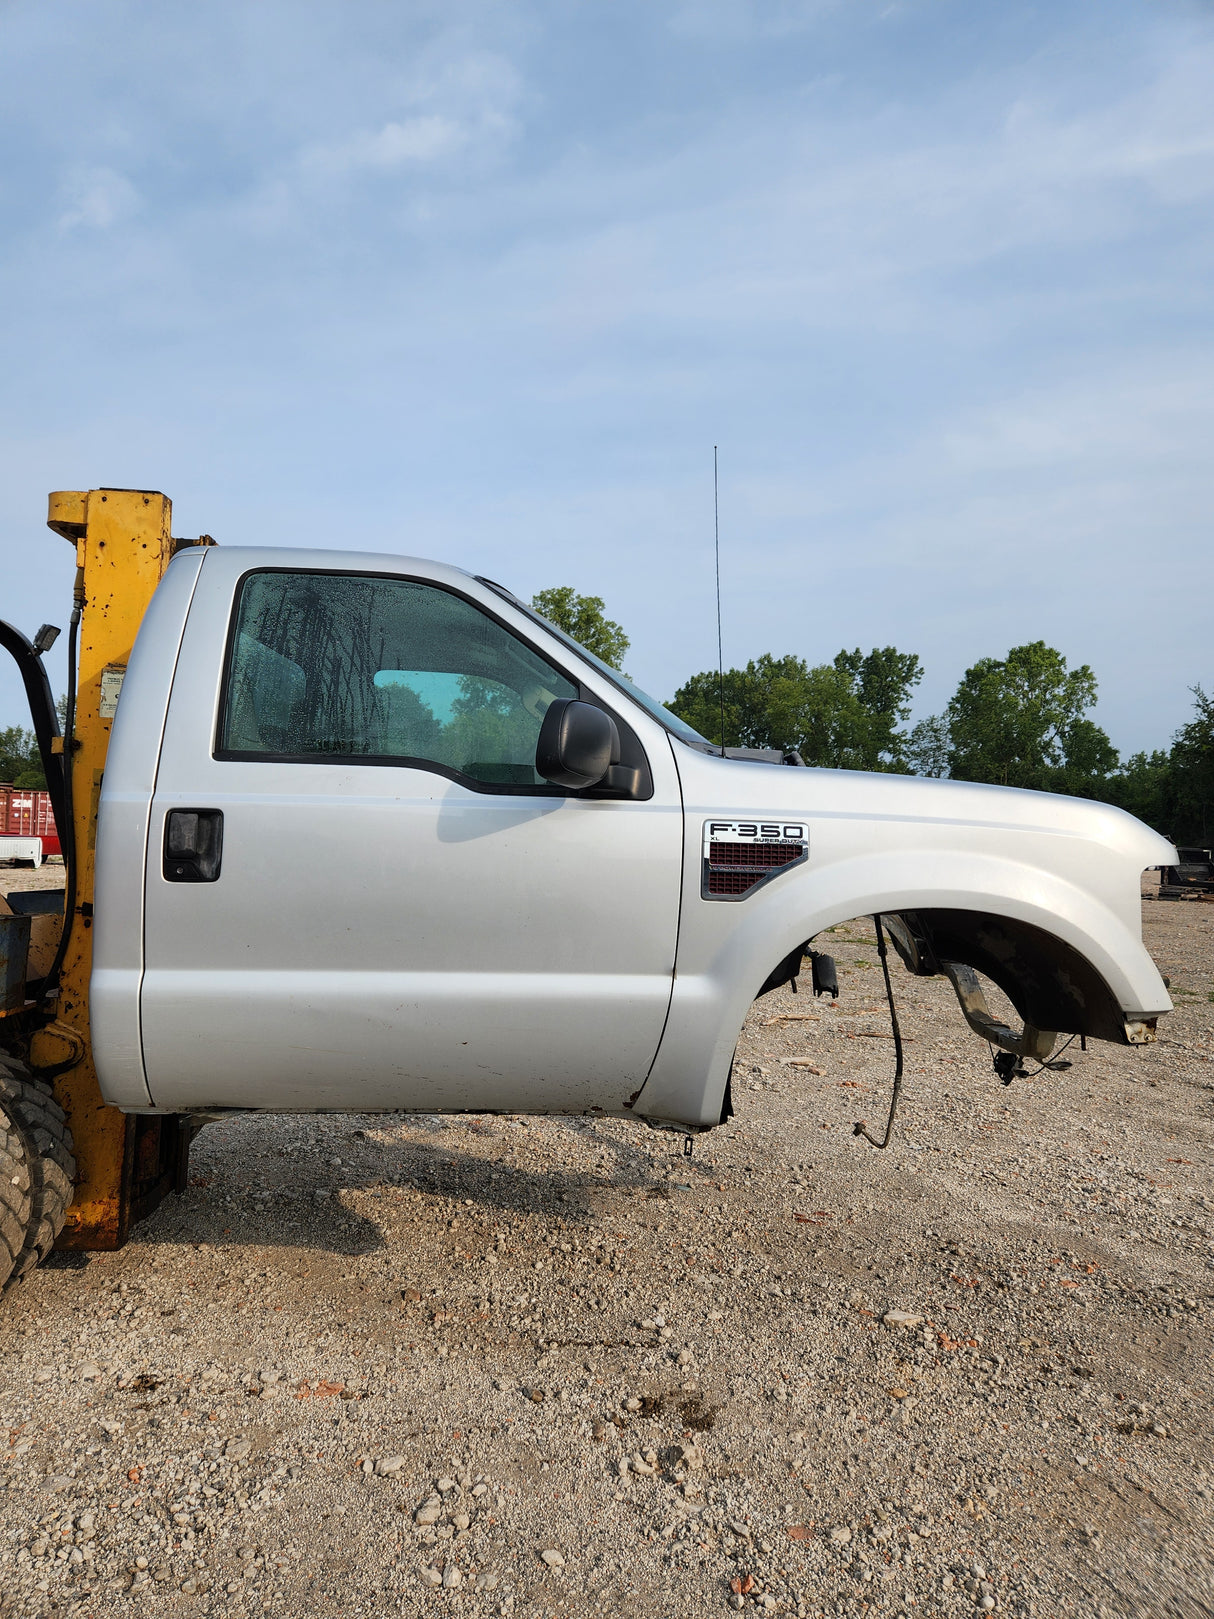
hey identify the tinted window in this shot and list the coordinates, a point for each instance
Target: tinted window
(353, 666)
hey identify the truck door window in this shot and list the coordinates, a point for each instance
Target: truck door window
(363, 668)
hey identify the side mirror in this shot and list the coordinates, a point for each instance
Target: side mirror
(578, 744)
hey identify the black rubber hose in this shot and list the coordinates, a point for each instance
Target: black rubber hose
(67, 830)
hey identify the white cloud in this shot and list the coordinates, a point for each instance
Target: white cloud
(453, 106)
(825, 223)
(414, 141)
(98, 198)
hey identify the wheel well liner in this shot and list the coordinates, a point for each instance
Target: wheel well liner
(1049, 983)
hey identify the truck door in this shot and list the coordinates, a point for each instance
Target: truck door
(359, 894)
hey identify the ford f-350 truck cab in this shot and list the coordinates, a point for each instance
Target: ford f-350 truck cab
(373, 835)
(362, 832)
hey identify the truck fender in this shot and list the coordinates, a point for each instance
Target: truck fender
(714, 986)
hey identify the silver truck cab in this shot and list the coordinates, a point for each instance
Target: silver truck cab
(331, 876)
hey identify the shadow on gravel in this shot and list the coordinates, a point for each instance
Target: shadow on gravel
(72, 1261)
(295, 1200)
(548, 1189)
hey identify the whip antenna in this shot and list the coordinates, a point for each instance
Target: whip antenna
(716, 531)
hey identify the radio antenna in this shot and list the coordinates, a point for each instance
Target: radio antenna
(716, 532)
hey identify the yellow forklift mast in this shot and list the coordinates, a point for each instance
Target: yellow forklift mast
(124, 1163)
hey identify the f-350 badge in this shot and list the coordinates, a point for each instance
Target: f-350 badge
(739, 856)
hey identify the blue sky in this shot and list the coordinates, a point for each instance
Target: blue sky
(487, 282)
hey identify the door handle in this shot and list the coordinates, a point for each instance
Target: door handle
(193, 845)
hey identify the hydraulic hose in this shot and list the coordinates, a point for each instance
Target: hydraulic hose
(67, 832)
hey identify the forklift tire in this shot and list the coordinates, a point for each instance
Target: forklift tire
(14, 1196)
(33, 1115)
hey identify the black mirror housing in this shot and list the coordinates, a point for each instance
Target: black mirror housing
(578, 744)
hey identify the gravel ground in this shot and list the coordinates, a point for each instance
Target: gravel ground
(515, 1366)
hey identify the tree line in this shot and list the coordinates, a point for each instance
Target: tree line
(1018, 721)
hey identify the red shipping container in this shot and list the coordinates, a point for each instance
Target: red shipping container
(25, 813)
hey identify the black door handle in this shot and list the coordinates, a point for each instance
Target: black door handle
(193, 845)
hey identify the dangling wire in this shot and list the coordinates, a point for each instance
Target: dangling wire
(860, 1128)
(1008, 1066)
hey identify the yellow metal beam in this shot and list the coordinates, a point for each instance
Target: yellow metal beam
(123, 546)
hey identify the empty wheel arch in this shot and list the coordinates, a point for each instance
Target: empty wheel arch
(1051, 985)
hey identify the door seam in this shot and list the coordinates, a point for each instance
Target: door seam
(147, 832)
(678, 924)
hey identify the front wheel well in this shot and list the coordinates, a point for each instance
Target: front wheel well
(1051, 985)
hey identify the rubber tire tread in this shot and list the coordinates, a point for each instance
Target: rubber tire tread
(52, 1164)
(15, 1202)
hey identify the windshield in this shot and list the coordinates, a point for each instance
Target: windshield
(659, 711)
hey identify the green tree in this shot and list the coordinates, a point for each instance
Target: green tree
(489, 729)
(1193, 774)
(1174, 791)
(583, 618)
(1145, 785)
(1021, 721)
(763, 703)
(20, 761)
(410, 728)
(843, 714)
(929, 746)
(882, 681)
